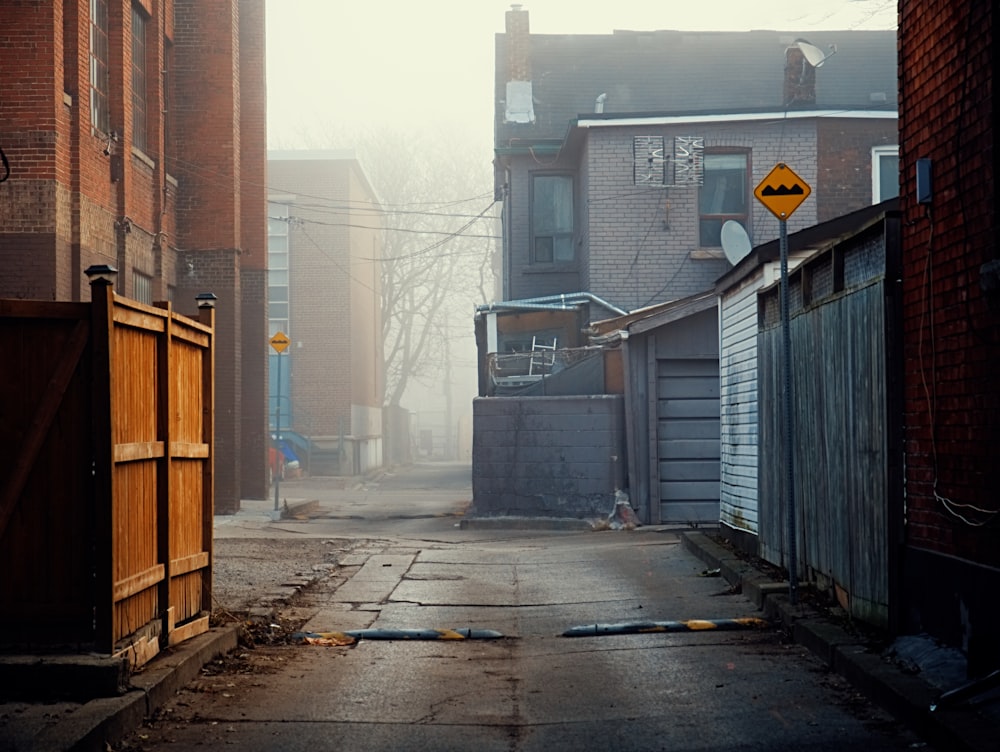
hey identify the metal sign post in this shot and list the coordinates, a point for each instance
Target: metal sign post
(280, 343)
(782, 191)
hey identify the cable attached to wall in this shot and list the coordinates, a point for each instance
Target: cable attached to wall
(954, 508)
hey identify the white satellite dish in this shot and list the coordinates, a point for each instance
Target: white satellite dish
(735, 241)
(813, 54)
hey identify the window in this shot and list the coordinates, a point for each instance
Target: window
(724, 196)
(139, 79)
(277, 268)
(552, 219)
(885, 173)
(142, 288)
(100, 119)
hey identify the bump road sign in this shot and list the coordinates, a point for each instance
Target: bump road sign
(782, 191)
(280, 342)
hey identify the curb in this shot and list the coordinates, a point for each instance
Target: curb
(105, 721)
(525, 523)
(907, 696)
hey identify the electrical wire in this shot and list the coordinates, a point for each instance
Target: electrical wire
(930, 392)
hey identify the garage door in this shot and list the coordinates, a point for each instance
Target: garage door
(687, 440)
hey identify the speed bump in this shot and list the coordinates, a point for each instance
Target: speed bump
(351, 636)
(649, 627)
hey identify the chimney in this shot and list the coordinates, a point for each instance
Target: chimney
(518, 45)
(520, 102)
(800, 79)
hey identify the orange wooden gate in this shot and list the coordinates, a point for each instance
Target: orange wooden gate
(106, 519)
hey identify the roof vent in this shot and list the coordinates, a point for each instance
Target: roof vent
(878, 97)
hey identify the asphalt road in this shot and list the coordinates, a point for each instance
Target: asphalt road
(393, 557)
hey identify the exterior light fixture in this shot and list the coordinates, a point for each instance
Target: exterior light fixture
(206, 299)
(104, 273)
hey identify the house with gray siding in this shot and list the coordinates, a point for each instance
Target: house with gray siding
(619, 157)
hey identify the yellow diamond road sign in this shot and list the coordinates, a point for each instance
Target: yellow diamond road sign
(280, 342)
(782, 191)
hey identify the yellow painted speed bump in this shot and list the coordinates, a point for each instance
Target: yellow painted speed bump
(648, 627)
(353, 635)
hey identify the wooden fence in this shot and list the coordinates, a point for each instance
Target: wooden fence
(846, 442)
(106, 423)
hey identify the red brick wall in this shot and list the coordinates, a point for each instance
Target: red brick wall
(206, 108)
(841, 146)
(64, 205)
(952, 338)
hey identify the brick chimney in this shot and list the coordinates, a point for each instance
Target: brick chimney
(800, 79)
(520, 104)
(518, 45)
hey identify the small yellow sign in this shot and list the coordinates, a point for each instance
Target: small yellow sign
(782, 191)
(280, 342)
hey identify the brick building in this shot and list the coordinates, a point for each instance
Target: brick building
(619, 157)
(132, 142)
(951, 326)
(325, 249)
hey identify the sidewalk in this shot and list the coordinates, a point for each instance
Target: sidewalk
(908, 696)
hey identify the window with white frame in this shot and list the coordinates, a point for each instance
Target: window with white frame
(552, 219)
(277, 268)
(885, 173)
(724, 195)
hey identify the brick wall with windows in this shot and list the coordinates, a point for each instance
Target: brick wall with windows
(81, 174)
(951, 326)
(845, 164)
(334, 288)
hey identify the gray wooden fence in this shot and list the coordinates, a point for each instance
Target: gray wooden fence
(846, 442)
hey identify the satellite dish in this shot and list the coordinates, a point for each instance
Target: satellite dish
(813, 54)
(735, 241)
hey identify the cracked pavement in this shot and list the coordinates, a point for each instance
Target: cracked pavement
(398, 560)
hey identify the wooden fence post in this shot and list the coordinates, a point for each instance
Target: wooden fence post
(102, 320)
(206, 315)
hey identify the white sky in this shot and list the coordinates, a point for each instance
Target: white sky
(349, 65)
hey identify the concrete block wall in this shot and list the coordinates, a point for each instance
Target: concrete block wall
(547, 456)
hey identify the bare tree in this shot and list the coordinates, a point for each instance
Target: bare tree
(440, 241)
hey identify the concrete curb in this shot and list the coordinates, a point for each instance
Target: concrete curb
(906, 696)
(525, 523)
(105, 721)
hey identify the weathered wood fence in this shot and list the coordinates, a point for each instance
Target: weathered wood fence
(844, 306)
(106, 499)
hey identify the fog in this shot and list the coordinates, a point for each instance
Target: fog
(339, 74)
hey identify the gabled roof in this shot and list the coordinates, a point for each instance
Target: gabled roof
(678, 71)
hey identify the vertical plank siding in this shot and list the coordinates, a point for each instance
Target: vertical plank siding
(87, 553)
(738, 408)
(839, 385)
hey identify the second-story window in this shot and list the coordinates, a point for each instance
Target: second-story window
(139, 78)
(100, 118)
(724, 196)
(552, 219)
(885, 173)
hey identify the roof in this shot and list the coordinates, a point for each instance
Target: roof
(691, 72)
(812, 238)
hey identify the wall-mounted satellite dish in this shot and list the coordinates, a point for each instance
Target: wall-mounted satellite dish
(735, 241)
(813, 54)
